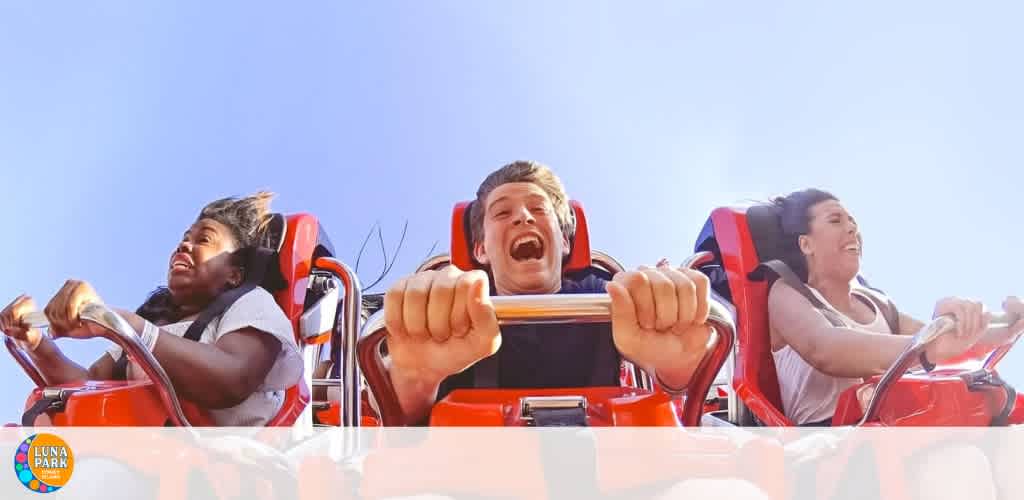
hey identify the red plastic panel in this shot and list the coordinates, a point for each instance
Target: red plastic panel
(461, 252)
(295, 400)
(936, 399)
(296, 262)
(606, 406)
(114, 403)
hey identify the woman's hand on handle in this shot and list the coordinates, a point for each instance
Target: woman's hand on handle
(51, 363)
(1015, 306)
(972, 323)
(971, 319)
(64, 309)
(12, 323)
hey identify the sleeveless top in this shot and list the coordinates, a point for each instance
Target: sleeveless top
(808, 395)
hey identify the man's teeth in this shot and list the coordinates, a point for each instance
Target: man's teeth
(527, 239)
(527, 247)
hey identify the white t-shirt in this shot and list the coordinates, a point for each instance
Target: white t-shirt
(809, 395)
(256, 309)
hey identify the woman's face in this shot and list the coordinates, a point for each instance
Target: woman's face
(833, 244)
(200, 267)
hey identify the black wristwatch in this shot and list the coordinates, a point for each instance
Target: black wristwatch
(927, 365)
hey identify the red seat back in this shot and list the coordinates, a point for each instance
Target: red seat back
(754, 379)
(298, 248)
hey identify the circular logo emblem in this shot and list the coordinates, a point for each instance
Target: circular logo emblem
(43, 463)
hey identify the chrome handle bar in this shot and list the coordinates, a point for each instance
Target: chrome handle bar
(943, 325)
(118, 331)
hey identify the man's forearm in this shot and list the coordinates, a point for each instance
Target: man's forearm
(676, 375)
(416, 394)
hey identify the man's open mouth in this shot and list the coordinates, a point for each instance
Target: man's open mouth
(527, 247)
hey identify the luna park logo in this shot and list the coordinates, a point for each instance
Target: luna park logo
(44, 463)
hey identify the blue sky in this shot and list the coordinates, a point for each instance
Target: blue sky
(119, 120)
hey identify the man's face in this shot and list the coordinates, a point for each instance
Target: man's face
(522, 242)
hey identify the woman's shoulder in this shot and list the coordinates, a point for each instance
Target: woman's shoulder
(257, 297)
(259, 304)
(788, 305)
(779, 290)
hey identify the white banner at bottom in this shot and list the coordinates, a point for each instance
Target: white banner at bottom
(532, 463)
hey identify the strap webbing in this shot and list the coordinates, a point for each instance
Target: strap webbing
(28, 419)
(257, 263)
(882, 303)
(981, 378)
(786, 274)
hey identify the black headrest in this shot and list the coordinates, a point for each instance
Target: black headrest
(765, 225)
(262, 267)
(262, 262)
(771, 243)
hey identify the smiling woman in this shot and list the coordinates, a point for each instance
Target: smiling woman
(828, 332)
(237, 365)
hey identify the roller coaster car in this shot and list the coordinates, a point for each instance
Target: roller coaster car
(636, 402)
(309, 298)
(967, 392)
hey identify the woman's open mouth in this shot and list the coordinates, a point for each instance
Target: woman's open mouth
(181, 262)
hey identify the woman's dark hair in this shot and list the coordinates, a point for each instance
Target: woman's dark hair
(246, 217)
(794, 220)
(159, 308)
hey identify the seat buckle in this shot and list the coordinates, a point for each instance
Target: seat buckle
(533, 406)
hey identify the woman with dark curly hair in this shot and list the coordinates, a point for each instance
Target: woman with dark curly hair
(241, 362)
